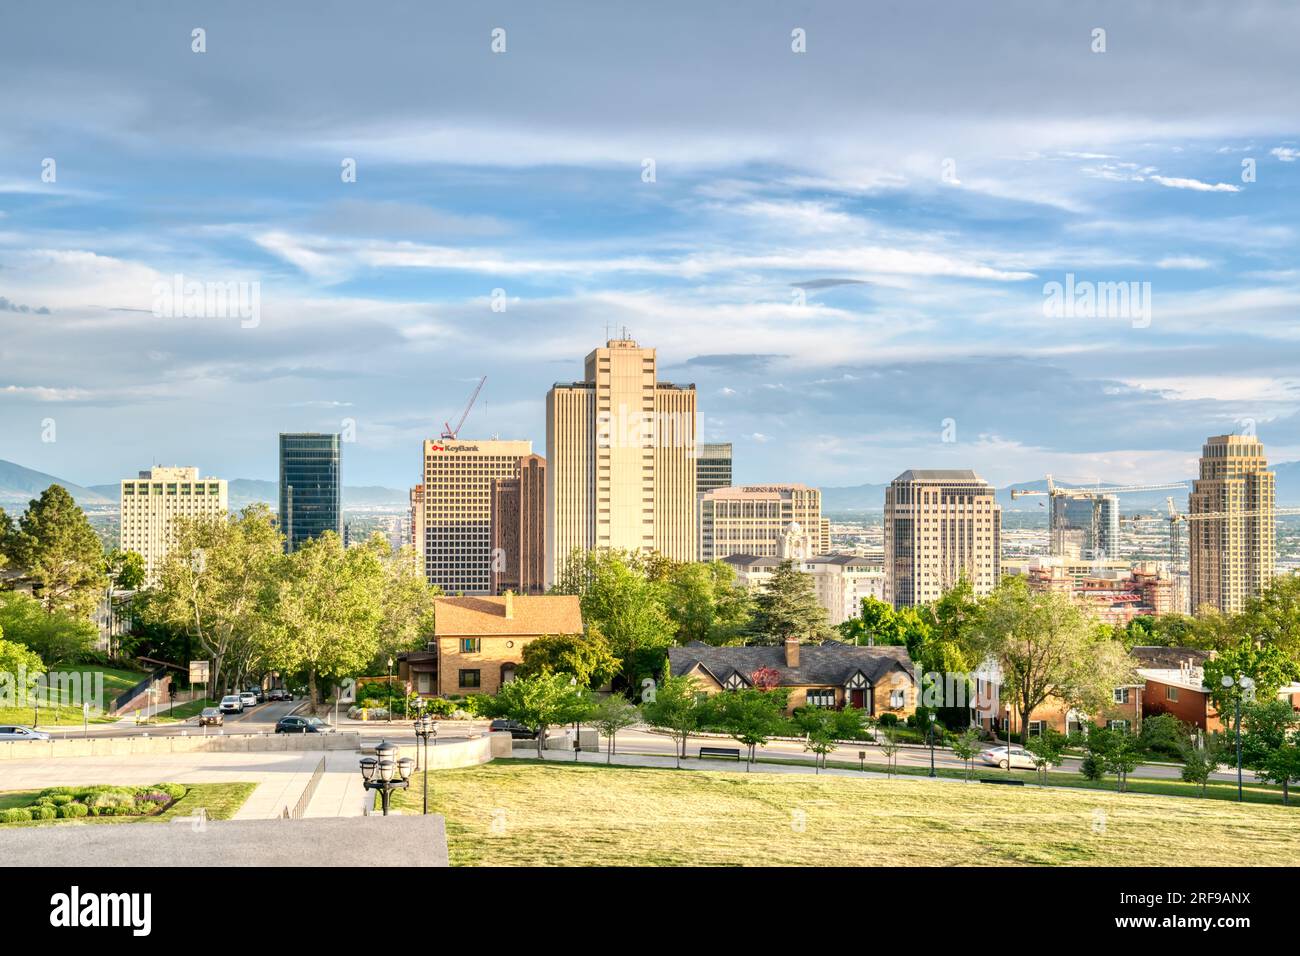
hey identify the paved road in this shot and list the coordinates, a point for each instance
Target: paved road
(253, 720)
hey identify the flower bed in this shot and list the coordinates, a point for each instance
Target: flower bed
(70, 803)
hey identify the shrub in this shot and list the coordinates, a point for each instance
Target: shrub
(439, 707)
(888, 720)
(58, 791)
(72, 810)
(1164, 734)
(61, 799)
(44, 813)
(173, 790)
(16, 815)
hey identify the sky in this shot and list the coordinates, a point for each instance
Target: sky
(858, 253)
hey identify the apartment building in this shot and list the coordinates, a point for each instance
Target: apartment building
(151, 503)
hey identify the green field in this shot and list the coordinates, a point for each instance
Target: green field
(221, 801)
(116, 680)
(525, 813)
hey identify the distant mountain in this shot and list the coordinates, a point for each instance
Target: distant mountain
(19, 485)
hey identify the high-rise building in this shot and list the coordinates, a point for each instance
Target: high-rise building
(311, 487)
(417, 521)
(519, 529)
(1085, 526)
(713, 466)
(151, 503)
(940, 525)
(750, 519)
(620, 459)
(1232, 557)
(457, 509)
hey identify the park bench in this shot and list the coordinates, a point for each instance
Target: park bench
(1007, 783)
(719, 752)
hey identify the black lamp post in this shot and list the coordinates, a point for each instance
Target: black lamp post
(385, 773)
(1008, 737)
(932, 773)
(424, 729)
(390, 690)
(1240, 686)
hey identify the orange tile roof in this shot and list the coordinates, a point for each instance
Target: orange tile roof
(485, 616)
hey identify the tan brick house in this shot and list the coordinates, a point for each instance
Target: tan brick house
(479, 641)
(879, 680)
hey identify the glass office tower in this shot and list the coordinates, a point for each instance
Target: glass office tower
(311, 491)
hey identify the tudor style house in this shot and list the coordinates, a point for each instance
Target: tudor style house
(479, 641)
(879, 680)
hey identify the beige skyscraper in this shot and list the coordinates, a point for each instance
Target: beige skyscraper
(750, 519)
(940, 525)
(151, 504)
(1232, 558)
(455, 509)
(621, 465)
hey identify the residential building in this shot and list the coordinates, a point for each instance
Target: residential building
(940, 525)
(750, 519)
(479, 641)
(1111, 595)
(621, 459)
(311, 486)
(1233, 557)
(713, 466)
(151, 503)
(456, 509)
(1085, 526)
(842, 581)
(879, 680)
(519, 529)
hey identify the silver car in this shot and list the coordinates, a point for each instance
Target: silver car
(1019, 758)
(10, 732)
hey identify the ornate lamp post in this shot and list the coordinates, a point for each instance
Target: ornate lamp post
(932, 773)
(385, 773)
(1241, 686)
(424, 729)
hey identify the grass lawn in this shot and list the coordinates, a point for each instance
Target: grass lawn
(116, 681)
(221, 800)
(526, 813)
(182, 711)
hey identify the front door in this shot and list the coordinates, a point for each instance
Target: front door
(858, 698)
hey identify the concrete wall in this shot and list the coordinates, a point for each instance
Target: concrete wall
(212, 743)
(462, 753)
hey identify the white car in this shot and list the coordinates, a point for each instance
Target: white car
(1020, 758)
(232, 704)
(22, 733)
(248, 698)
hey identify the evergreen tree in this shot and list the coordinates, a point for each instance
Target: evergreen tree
(56, 548)
(788, 607)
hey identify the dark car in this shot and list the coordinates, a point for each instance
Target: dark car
(302, 725)
(279, 693)
(517, 730)
(211, 716)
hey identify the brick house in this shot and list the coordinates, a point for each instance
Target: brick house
(479, 641)
(879, 680)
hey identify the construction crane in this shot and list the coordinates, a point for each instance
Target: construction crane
(449, 433)
(1176, 519)
(1056, 523)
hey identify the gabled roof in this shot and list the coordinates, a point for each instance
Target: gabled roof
(532, 614)
(828, 664)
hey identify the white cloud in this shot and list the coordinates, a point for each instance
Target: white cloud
(1175, 182)
(1183, 262)
(1285, 153)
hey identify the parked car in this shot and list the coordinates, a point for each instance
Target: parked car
(1020, 758)
(517, 730)
(249, 698)
(211, 717)
(302, 725)
(10, 732)
(279, 693)
(232, 704)
(258, 694)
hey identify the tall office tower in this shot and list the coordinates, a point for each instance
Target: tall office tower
(713, 467)
(151, 504)
(311, 488)
(1232, 557)
(416, 539)
(940, 525)
(457, 508)
(1085, 526)
(621, 462)
(519, 529)
(750, 520)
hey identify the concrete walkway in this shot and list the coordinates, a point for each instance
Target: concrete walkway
(340, 792)
(694, 763)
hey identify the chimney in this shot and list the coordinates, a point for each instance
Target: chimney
(510, 605)
(791, 652)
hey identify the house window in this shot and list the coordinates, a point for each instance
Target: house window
(1120, 725)
(471, 645)
(1121, 695)
(423, 682)
(1171, 693)
(470, 679)
(821, 697)
(897, 699)
(1035, 728)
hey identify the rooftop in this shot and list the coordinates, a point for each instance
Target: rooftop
(486, 616)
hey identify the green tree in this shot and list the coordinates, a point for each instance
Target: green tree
(942, 638)
(1266, 725)
(57, 637)
(750, 716)
(673, 707)
(819, 734)
(1272, 617)
(17, 659)
(1165, 735)
(966, 748)
(705, 603)
(1200, 762)
(787, 607)
(1282, 767)
(408, 601)
(876, 623)
(1046, 749)
(585, 656)
(57, 549)
(1111, 751)
(1266, 664)
(541, 702)
(218, 583)
(126, 569)
(889, 746)
(611, 714)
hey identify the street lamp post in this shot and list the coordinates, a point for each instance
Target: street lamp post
(932, 773)
(424, 729)
(390, 690)
(385, 772)
(1240, 686)
(1008, 728)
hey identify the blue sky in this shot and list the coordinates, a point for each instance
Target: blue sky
(921, 172)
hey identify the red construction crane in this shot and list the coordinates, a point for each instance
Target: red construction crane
(449, 433)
